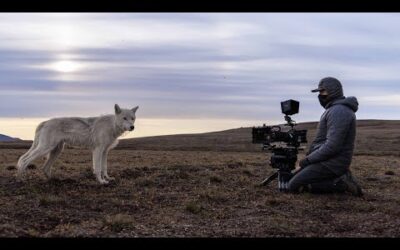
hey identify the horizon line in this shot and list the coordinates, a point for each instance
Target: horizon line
(216, 131)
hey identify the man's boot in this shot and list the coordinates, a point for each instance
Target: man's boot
(351, 185)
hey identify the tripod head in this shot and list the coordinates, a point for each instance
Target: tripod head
(289, 121)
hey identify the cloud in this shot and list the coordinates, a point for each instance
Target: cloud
(392, 100)
(72, 31)
(236, 66)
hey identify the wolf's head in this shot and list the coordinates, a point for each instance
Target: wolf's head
(125, 118)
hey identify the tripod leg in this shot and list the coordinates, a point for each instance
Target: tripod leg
(269, 179)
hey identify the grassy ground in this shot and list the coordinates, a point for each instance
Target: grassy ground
(190, 193)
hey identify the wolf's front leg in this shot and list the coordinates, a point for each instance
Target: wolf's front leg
(97, 165)
(104, 167)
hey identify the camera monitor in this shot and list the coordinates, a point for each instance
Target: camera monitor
(290, 107)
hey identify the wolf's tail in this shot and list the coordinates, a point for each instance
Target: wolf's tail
(33, 146)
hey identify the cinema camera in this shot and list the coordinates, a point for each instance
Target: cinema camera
(283, 145)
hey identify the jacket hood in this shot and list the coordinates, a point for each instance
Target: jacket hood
(350, 102)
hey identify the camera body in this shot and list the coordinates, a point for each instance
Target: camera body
(284, 157)
(270, 134)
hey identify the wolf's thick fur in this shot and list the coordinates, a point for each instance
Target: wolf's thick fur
(96, 133)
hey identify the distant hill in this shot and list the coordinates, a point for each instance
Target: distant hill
(374, 137)
(5, 138)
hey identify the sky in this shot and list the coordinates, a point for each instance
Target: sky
(192, 72)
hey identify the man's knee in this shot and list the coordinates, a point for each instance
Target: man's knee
(294, 186)
(300, 182)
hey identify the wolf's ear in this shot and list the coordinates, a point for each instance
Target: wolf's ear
(117, 109)
(134, 109)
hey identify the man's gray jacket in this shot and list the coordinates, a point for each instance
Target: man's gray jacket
(334, 143)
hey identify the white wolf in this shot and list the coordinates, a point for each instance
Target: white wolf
(96, 133)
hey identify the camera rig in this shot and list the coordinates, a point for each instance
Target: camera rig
(284, 156)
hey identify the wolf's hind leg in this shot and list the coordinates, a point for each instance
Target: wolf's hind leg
(51, 158)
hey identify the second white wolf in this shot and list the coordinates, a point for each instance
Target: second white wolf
(96, 133)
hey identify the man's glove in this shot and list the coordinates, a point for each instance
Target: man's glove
(304, 162)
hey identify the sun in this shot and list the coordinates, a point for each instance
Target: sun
(66, 66)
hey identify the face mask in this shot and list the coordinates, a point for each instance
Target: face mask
(323, 100)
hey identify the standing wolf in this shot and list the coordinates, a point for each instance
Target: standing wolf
(96, 133)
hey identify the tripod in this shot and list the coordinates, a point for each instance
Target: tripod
(267, 180)
(284, 158)
(284, 173)
(283, 179)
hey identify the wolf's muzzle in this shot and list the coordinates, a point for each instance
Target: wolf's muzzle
(131, 128)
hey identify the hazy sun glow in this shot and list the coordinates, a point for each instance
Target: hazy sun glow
(66, 66)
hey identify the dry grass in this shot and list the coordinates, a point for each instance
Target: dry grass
(118, 222)
(192, 193)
